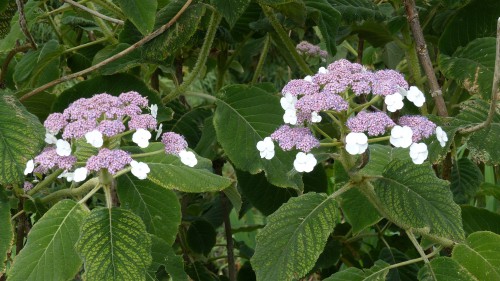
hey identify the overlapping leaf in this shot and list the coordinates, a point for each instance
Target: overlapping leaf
(21, 138)
(328, 20)
(7, 234)
(294, 237)
(414, 198)
(466, 177)
(477, 219)
(141, 13)
(357, 10)
(377, 272)
(231, 9)
(164, 255)
(51, 244)
(114, 245)
(244, 116)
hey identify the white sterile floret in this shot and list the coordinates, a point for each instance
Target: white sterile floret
(315, 117)
(68, 175)
(159, 130)
(80, 174)
(94, 138)
(288, 101)
(139, 169)
(188, 158)
(418, 153)
(394, 102)
(322, 70)
(30, 165)
(63, 148)
(141, 138)
(356, 143)
(308, 78)
(290, 116)
(50, 138)
(401, 136)
(154, 110)
(266, 148)
(441, 136)
(304, 162)
(415, 96)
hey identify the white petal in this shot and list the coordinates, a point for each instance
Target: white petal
(80, 174)
(290, 116)
(63, 148)
(141, 138)
(159, 131)
(315, 117)
(94, 138)
(30, 165)
(154, 110)
(188, 158)
(308, 78)
(140, 169)
(50, 138)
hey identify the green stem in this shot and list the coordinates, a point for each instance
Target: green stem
(316, 128)
(365, 105)
(341, 190)
(262, 58)
(92, 192)
(331, 144)
(202, 58)
(110, 7)
(104, 27)
(286, 40)
(420, 251)
(349, 48)
(146, 154)
(48, 180)
(100, 40)
(79, 191)
(384, 138)
(107, 194)
(200, 95)
(122, 172)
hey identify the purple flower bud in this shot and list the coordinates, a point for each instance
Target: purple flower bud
(55, 122)
(134, 98)
(387, 82)
(49, 159)
(111, 127)
(375, 123)
(299, 137)
(113, 160)
(174, 143)
(300, 87)
(79, 128)
(320, 102)
(421, 126)
(27, 186)
(143, 121)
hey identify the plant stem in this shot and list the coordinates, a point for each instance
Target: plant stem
(121, 54)
(146, 154)
(366, 105)
(110, 6)
(229, 237)
(82, 46)
(24, 24)
(8, 59)
(202, 58)
(94, 12)
(79, 191)
(420, 251)
(262, 58)
(331, 144)
(200, 95)
(341, 190)
(286, 40)
(494, 91)
(46, 181)
(107, 194)
(92, 192)
(384, 138)
(423, 55)
(104, 27)
(316, 128)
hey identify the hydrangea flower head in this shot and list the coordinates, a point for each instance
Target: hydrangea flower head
(299, 137)
(112, 160)
(174, 143)
(49, 159)
(375, 123)
(387, 82)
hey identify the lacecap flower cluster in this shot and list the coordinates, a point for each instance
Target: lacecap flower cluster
(304, 99)
(98, 120)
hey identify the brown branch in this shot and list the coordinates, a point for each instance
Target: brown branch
(23, 24)
(95, 13)
(494, 91)
(423, 55)
(121, 54)
(8, 59)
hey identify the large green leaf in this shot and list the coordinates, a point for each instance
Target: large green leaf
(294, 237)
(21, 138)
(141, 13)
(466, 177)
(444, 269)
(9, 41)
(477, 219)
(50, 253)
(201, 236)
(164, 255)
(472, 66)
(328, 20)
(7, 234)
(120, 65)
(158, 207)
(381, 156)
(178, 34)
(231, 9)
(377, 272)
(476, 20)
(358, 210)
(357, 10)
(114, 245)
(414, 198)
(244, 116)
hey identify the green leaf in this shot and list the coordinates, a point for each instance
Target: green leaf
(189, 124)
(444, 269)
(487, 188)
(114, 245)
(148, 200)
(294, 237)
(7, 233)
(414, 198)
(476, 20)
(480, 255)
(381, 156)
(328, 20)
(21, 138)
(141, 13)
(244, 116)
(39, 104)
(163, 255)
(201, 237)
(293, 9)
(375, 273)
(234, 197)
(178, 34)
(231, 9)
(357, 10)
(466, 177)
(477, 219)
(9, 41)
(358, 210)
(264, 196)
(207, 144)
(472, 66)
(376, 33)
(120, 65)
(50, 245)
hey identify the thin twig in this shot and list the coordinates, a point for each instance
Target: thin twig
(423, 55)
(494, 91)
(420, 251)
(23, 24)
(94, 13)
(110, 59)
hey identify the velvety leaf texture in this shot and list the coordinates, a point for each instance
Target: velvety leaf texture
(246, 115)
(377, 272)
(21, 138)
(294, 237)
(466, 177)
(49, 253)
(114, 245)
(7, 234)
(444, 269)
(158, 207)
(231, 9)
(415, 198)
